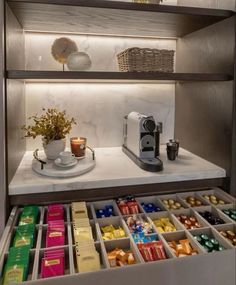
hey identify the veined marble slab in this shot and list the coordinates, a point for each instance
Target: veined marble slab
(114, 168)
(99, 108)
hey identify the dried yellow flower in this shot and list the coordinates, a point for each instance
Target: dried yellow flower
(52, 125)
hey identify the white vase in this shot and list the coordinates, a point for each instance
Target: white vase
(78, 61)
(53, 149)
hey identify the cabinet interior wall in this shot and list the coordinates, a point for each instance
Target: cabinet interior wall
(205, 111)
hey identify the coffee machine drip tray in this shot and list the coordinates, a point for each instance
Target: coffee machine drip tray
(148, 164)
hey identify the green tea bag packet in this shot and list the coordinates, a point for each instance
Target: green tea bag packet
(31, 208)
(21, 240)
(26, 228)
(24, 264)
(24, 250)
(29, 215)
(19, 261)
(24, 235)
(18, 253)
(14, 274)
(16, 268)
(27, 219)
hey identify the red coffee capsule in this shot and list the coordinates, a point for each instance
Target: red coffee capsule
(124, 209)
(161, 250)
(133, 207)
(197, 225)
(183, 218)
(188, 223)
(193, 220)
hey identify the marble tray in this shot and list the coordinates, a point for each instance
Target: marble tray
(52, 170)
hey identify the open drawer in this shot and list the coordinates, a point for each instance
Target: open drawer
(204, 268)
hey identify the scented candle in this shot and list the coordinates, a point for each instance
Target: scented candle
(78, 146)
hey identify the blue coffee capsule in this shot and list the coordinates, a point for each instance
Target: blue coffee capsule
(147, 210)
(100, 213)
(109, 209)
(139, 229)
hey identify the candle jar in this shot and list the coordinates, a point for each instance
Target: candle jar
(78, 146)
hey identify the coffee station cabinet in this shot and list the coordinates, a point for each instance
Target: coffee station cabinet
(204, 124)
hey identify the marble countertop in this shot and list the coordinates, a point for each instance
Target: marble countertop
(113, 168)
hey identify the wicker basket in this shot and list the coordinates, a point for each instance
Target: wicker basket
(146, 59)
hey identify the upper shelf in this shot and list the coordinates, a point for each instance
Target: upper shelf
(100, 76)
(113, 17)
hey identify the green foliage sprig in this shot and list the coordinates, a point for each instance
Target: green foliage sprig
(52, 125)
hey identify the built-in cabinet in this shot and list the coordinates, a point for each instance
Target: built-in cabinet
(203, 77)
(203, 87)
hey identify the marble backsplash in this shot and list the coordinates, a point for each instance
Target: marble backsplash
(100, 108)
(101, 49)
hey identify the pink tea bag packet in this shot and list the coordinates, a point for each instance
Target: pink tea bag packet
(55, 235)
(55, 238)
(52, 266)
(55, 212)
(54, 253)
(56, 226)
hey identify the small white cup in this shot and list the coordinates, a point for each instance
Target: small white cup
(66, 157)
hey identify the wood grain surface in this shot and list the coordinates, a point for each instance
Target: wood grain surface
(112, 17)
(15, 99)
(3, 188)
(204, 111)
(121, 76)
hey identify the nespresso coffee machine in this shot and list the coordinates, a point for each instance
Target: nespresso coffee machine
(142, 141)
